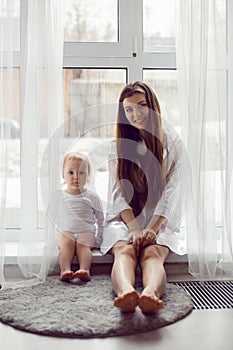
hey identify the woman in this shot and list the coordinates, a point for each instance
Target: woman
(146, 193)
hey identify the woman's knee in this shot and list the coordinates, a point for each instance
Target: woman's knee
(154, 251)
(126, 250)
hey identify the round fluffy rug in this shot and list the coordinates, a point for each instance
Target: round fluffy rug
(84, 310)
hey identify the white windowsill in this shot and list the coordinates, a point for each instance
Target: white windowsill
(11, 254)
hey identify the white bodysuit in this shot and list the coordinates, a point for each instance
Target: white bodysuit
(80, 213)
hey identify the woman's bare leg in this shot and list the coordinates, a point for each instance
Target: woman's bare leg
(154, 277)
(67, 250)
(123, 277)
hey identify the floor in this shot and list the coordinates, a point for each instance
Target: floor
(201, 329)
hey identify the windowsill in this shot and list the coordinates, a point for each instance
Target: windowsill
(11, 254)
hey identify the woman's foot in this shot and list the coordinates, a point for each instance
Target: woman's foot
(150, 303)
(127, 302)
(66, 276)
(84, 275)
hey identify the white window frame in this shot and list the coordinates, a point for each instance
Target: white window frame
(127, 54)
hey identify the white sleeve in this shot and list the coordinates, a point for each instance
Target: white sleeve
(176, 195)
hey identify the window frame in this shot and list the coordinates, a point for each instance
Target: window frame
(127, 54)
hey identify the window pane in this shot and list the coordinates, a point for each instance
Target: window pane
(91, 21)
(10, 18)
(84, 88)
(10, 143)
(217, 30)
(159, 25)
(90, 100)
(164, 83)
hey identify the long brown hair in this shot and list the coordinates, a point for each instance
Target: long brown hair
(142, 169)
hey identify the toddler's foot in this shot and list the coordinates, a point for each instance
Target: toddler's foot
(84, 275)
(127, 302)
(66, 276)
(150, 304)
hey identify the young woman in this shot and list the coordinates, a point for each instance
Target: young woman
(146, 194)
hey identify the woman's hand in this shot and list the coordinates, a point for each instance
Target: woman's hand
(135, 239)
(141, 239)
(133, 236)
(148, 237)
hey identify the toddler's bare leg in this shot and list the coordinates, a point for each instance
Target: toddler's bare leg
(83, 250)
(67, 250)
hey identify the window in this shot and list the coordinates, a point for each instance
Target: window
(15, 17)
(101, 54)
(84, 88)
(159, 23)
(107, 43)
(10, 114)
(91, 22)
(164, 82)
(10, 129)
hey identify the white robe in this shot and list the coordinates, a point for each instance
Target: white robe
(172, 204)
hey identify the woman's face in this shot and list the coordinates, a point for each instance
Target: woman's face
(136, 110)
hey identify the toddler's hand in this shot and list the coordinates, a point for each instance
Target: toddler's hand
(96, 246)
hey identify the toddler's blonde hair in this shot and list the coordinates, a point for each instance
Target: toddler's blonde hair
(74, 155)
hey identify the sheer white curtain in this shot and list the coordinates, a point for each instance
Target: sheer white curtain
(41, 96)
(204, 74)
(6, 103)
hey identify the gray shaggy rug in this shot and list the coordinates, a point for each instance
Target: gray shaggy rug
(84, 310)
